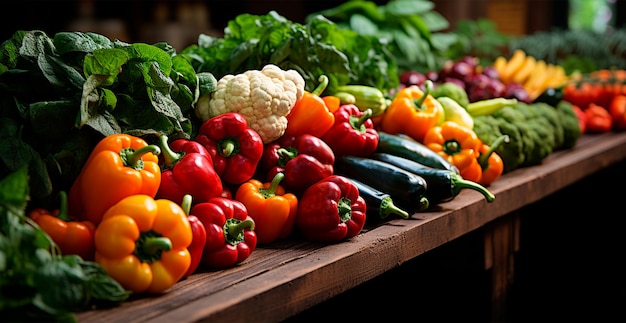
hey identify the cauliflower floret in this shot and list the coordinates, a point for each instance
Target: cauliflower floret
(263, 97)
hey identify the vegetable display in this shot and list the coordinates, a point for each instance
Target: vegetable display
(179, 162)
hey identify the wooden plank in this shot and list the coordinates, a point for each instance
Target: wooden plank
(283, 279)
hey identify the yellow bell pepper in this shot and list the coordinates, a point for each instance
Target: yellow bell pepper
(142, 243)
(412, 112)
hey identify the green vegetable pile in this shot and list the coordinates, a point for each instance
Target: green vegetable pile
(60, 95)
(318, 48)
(535, 131)
(37, 283)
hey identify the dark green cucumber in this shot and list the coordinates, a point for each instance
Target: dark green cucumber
(405, 188)
(380, 205)
(407, 147)
(443, 185)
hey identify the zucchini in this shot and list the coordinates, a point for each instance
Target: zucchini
(406, 189)
(442, 184)
(407, 147)
(379, 204)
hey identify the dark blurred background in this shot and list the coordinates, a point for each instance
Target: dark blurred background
(179, 22)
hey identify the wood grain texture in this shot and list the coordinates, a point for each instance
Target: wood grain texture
(285, 278)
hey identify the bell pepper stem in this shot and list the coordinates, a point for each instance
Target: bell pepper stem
(428, 86)
(323, 79)
(483, 160)
(271, 190)
(149, 247)
(132, 158)
(63, 207)
(357, 122)
(387, 207)
(459, 183)
(227, 147)
(169, 156)
(345, 210)
(186, 204)
(233, 229)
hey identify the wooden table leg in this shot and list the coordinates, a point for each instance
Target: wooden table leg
(501, 242)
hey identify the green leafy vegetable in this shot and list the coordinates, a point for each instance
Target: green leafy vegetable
(37, 283)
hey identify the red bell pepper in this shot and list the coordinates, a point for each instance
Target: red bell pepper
(230, 232)
(617, 109)
(352, 133)
(188, 169)
(198, 240)
(582, 118)
(598, 119)
(331, 210)
(304, 160)
(235, 148)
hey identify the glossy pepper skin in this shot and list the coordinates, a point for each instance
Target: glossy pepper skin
(72, 237)
(617, 110)
(273, 210)
(142, 243)
(352, 133)
(235, 148)
(491, 164)
(188, 169)
(331, 210)
(198, 239)
(412, 112)
(120, 165)
(304, 160)
(310, 114)
(230, 232)
(598, 119)
(459, 145)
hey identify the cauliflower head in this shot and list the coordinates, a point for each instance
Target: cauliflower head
(264, 97)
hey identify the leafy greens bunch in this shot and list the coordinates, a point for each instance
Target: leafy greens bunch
(61, 95)
(411, 29)
(317, 48)
(37, 283)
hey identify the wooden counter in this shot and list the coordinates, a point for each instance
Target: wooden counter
(283, 279)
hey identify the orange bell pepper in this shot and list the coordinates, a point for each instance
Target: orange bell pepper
(72, 237)
(617, 110)
(459, 145)
(272, 209)
(332, 102)
(310, 114)
(412, 112)
(491, 163)
(142, 243)
(119, 166)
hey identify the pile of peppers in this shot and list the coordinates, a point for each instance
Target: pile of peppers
(163, 211)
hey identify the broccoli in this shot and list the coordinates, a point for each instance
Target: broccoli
(548, 112)
(569, 121)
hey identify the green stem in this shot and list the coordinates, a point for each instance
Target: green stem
(357, 121)
(227, 147)
(387, 207)
(151, 245)
(459, 183)
(132, 158)
(345, 209)
(424, 204)
(483, 160)
(323, 79)
(186, 204)
(169, 156)
(233, 229)
(271, 191)
(428, 86)
(63, 207)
